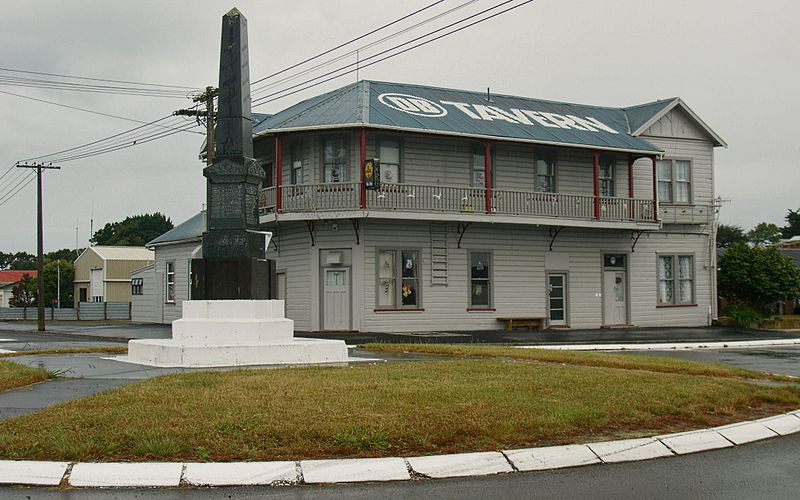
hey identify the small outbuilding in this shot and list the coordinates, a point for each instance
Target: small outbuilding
(7, 281)
(103, 273)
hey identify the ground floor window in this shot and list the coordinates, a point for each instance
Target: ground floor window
(136, 286)
(170, 282)
(480, 279)
(675, 279)
(398, 279)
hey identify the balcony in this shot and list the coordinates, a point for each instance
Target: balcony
(463, 203)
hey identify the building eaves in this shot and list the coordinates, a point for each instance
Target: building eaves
(661, 108)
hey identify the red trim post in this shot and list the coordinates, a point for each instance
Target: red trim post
(363, 190)
(597, 185)
(631, 161)
(278, 173)
(487, 175)
(655, 189)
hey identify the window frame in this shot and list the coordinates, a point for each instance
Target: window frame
(398, 279)
(610, 181)
(479, 149)
(676, 279)
(268, 167)
(381, 140)
(296, 171)
(345, 176)
(537, 155)
(489, 281)
(673, 181)
(167, 274)
(137, 286)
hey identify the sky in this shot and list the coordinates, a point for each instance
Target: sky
(735, 63)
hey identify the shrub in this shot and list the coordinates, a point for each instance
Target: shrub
(743, 315)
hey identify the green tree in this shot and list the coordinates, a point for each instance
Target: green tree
(133, 231)
(757, 276)
(792, 227)
(729, 234)
(22, 294)
(19, 261)
(68, 254)
(51, 282)
(764, 234)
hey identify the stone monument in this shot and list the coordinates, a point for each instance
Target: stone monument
(231, 324)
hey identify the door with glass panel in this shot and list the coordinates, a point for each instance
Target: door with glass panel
(615, 289)
(336, 293)
(557, 298)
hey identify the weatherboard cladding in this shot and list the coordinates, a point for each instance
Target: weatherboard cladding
(458, 112)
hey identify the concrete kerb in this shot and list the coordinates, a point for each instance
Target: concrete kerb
(665, 346)
(174, 474)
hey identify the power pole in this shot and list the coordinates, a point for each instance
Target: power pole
(39, 238)
(208, 97)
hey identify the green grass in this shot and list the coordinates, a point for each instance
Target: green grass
(68, 350)
(453, 405)
(600, 359)
(13, 375)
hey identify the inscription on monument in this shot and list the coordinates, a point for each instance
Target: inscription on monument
(227, 200)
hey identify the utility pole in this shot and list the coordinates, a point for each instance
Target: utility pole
(39, 237)
(208, 97)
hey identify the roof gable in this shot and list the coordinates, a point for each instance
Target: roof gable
(119, 253)
(645, 116)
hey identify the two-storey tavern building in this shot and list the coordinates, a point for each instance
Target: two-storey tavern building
(488, 206)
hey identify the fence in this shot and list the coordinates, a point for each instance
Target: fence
(86, 311)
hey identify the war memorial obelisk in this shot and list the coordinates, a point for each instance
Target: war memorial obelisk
(233, 264)
(228, 322)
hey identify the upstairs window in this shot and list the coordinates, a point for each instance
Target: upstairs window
(334, 159)
(269, 179)
(674, 181)
(389, 154)
(296, 175)
(606, 175)
(478, 166)
(545, 166)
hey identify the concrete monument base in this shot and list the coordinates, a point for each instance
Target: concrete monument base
(216, 333)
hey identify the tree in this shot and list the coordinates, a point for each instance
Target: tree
(19, 261)
(51, 282)
(729, 234)
(792, 228)
(22, 294)
(68, 254)
(133, 231)
(757, 276)
(764, 234)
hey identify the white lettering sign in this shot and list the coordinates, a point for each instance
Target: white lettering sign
(419, 106)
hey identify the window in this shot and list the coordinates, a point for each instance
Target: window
(398, 279)
(389, 153)
(170, 291)
(137, 284)
(606, 176)
(674, 181)
(479, 166)
(334, 159)
(269, 179)
(296, 176)
(480, 280)
(675, 286)
(545, 166)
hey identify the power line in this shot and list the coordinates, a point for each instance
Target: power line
(359, 49)
(100, 113)
(348, 42)
(98, 79)
(81, 87)
(266, 99)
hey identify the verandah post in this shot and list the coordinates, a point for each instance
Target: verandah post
(278, 173)
(597, 185)
(655, 189)
(363, 186)
(487, 175)
(631, 160)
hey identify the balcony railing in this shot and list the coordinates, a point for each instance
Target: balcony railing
(686, 214)
(452, 200)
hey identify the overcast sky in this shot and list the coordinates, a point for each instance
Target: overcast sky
(735, 63)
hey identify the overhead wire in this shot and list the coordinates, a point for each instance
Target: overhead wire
(98, 79)
(265, 99)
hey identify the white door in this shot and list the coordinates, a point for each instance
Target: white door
(96, 285)
(615, 299)
(557, 299)
(336, 293)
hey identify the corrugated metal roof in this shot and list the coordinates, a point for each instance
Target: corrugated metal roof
(123, 253)
(794, 253)
(458, 112)
(7, 277)
(186, 231)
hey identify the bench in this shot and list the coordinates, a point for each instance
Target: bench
(529, 322)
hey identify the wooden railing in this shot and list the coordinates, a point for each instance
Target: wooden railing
(686, 214)
(452, 199)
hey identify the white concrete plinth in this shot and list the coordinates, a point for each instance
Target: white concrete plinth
(233, 333)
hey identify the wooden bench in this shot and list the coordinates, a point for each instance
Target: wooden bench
(528, 321)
